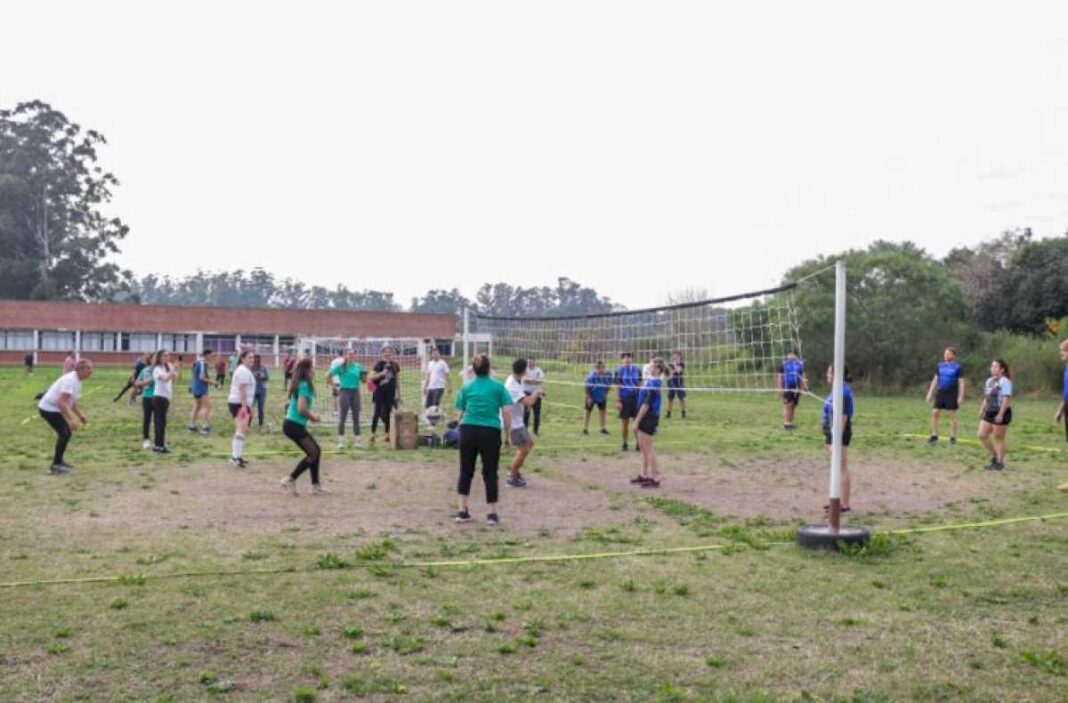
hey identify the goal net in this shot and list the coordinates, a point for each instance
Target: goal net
(730, 344)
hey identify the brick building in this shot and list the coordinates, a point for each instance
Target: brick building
(111, 334)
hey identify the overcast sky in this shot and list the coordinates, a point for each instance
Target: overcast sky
(639, 148)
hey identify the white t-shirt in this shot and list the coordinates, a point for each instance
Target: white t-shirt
(437, 374)
(242, 377)
(533, 378)
(996, 390)
(162, 389)
(67, 383)
(330, 373)
(515, 388)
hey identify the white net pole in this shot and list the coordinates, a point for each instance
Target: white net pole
(837, 393)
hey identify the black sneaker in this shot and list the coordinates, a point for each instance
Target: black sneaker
(625, 448)
(515, 482)
(667, 414)
(992, 466)
(59, 470)
(605, 432)
(953, 441)
(237, 463)
(683, 414)
(162, 450)
(492, 520)
(191, 428)
(933, 439)
(463, 516)
(998, 466)
(585, 431)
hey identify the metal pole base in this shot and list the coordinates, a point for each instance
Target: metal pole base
(826, 537)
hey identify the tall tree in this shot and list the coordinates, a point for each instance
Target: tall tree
(54, 238)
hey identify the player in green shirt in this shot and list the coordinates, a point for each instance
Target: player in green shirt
(346, 378)
(481, 403)
(298, 413)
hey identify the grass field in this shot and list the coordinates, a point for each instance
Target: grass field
(223, 588)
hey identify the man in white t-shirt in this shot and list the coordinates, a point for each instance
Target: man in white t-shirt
(435, 380)
(533, 384)
(59, 408)
(242, 393)
(518, 436)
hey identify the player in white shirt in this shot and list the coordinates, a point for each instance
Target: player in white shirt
(518, 436)
(164, 371)
(59, 408)
(435, 380)
(534, 385)
(242, 393)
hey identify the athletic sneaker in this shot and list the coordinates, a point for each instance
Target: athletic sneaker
(605, 432)
(340, 442)
(191, 428)
(625, 446)
(318, 490)
(953, 441)
(683, 414)
(933, 439)
(515, 482)
(638, 480)
(237, 463)
(651, 483)
(147, 444)
(998, 466)
(667, 414)
(162, 450)
(585, 431)
(59, 470)
(993, 463)
(357, 442)
(788, 427)
(205, 430)
(289, 485)
(492, 520)
(463, 516)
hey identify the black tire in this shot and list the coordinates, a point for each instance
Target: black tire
(821, 537)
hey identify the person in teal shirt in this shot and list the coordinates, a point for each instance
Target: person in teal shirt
(346, 377)
(298, 413)
(482, 404)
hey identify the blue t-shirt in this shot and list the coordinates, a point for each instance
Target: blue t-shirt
(1066, 383)
(948, 375)
(198, 386)
(650, 394)
(629, 379)
(792, 370)
(597, 385)
(847, 405)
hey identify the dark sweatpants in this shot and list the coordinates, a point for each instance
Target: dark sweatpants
(59, 424)
(159, 409)
(148, 409)
(475, 441)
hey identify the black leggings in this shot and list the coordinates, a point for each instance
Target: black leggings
(383, 407)
(159, 409)
(537, 416)
(312, 453)
(59, 424)
(148, 409)
(128, 386)
(476, 440)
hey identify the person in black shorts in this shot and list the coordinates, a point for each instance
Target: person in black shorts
(847, 430)
(995, 415)
(947, 390)
(647, 421)
(597, 384)
(792, 384)
(628, 381)
(28, 360)
(676, 384)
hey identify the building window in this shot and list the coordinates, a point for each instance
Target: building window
(180, 343)
(57, 341)
(142, 342)
(16, 340)
(98, 341)
(259, 343)
(219, 342)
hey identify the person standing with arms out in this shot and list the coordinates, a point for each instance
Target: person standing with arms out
(847, 431)
(996, 414)
(518, 436)
(628, 380)
(131, 381)
(598, 382)
(345, 377)
(198, 386)
(242, 393)
(263, 377)
(791, 382)
(385, 376)
(147, 386)
(220, 371)
(947, 390)
(164, 373)
(1062, 409)
(677, 384)
(59, 408)
(301, 392)
(435, 380)
(650, 399)
(482, 403)
(534, 385)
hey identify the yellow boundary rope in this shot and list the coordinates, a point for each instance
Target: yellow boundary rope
(497, 561)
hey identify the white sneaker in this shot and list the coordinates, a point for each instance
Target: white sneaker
(357, 442)
(147, 444)
(318, 490)
(340, 442)
(289, 485)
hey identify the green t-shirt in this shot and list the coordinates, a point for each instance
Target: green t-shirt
(348, 375)
(482, 400)
(146, 375)
(294, 409)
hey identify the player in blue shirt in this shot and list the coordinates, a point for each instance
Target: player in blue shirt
(792, 384)
(628, 380)
(847, 429)
(198, 386)
(947, 390)
(649, 401)
(598, 382)
(676, 384)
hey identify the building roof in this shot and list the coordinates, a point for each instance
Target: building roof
(111, 317)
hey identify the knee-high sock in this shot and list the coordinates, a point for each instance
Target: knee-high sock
(238, 445)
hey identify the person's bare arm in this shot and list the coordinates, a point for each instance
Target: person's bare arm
(931, 388)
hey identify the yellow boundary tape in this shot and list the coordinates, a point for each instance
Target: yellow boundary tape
(497, 561)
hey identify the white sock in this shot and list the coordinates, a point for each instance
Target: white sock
(238, 445)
